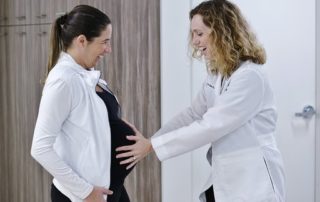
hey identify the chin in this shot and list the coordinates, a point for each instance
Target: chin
(89, 66)
(207, 57)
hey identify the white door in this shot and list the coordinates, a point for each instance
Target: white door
(317, 187)
(287, 30)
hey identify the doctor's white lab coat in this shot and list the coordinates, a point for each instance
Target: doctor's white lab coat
(238, 117)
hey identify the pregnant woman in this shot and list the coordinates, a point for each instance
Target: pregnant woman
(119, 131)
(72, 139)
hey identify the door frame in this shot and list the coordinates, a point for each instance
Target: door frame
(317, 105)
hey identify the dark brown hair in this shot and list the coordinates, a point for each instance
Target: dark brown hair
(83, 19)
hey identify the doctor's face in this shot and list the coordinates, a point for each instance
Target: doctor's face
(97, 48)
(200, 34)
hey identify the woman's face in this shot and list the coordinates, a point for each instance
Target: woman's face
(201, 36)
(97, 48)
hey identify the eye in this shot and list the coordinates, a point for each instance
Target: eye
(197, 34)
(106, 42)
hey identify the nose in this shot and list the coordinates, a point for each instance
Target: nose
(108, 49)
(195, 41)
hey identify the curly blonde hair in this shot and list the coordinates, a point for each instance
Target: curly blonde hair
(230, 38)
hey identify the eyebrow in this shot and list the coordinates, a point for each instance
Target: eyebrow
(196, 30)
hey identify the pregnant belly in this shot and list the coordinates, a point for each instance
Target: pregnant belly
(119, 131)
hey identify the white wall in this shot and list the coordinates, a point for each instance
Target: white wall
(318, 102)
(287, 30)
(180, 79)
(175, 92)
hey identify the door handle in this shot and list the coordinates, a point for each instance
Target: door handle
(307, 112)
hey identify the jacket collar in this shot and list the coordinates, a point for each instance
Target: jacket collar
(91, 76)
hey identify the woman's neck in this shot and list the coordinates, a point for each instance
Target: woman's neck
(77, 58)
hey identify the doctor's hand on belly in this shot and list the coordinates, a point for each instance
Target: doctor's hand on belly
(98, 195)
(132, 154)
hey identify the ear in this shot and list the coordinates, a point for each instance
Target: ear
(81, 41)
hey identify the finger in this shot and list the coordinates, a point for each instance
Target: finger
(132, 164)
(136, 159)
(128, 160)
(123, 155)
(124, 148)
(133, 137)
(107, 191)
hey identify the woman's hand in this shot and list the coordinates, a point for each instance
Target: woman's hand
(97, 194)
(134, 153)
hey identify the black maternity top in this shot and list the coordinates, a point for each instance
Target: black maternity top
(119, 131)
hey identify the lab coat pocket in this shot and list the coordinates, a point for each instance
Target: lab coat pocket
(210, 94)
(243, 176)
(83, 157)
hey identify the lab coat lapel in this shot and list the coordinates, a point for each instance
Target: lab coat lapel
(218, 85)
(91, 77)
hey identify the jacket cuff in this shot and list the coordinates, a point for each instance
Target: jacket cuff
(159, 148)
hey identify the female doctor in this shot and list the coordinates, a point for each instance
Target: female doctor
(234, 111)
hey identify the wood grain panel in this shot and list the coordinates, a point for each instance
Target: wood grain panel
(3, 12)
(133, 72)
(3, 108)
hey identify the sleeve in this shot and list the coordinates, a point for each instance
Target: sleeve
(54, 109)
(194, 112)
(240, 103)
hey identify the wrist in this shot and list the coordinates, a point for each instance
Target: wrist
(150, 148)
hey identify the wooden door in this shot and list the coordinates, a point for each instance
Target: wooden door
(51, 9)
(37, 179)
(17, 12)
(3, 13)
(13, 156)
(3, 105)
(20, 95)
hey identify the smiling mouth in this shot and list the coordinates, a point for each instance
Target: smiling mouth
(202, 49)
(99, 57)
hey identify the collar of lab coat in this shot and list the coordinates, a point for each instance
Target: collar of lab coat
(91, 77)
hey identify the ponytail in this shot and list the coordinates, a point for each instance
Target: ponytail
(56, 44)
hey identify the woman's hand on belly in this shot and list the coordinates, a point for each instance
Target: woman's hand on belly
(97, 194)
(135, 152)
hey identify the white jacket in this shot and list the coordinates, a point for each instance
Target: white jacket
(72, 135)
(239, 119)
